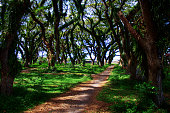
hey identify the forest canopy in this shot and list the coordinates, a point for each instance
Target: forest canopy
(70, 30)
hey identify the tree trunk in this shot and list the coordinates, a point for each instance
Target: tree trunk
(110, 57)
(105, 61)
(110, 61)
(6, 78)
(132, 64)
(6, 82)
(154, 66)
(9, 65)
(102, 62)
(8, 59)
(148, 44)
(56, 30)
(27, 59)
(51, 57)
(154, 72)
(92, 62)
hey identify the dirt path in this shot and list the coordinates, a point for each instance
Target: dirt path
(80, 99)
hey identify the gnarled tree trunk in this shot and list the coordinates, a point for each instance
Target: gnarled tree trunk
(51, 53)
(148, 44)
(8, 59)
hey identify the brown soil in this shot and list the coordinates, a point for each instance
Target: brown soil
(80, 99)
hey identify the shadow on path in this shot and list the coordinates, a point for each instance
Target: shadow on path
(81, 98)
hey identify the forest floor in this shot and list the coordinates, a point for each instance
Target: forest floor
(81, 98)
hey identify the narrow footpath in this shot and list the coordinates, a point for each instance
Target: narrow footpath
(80, 99)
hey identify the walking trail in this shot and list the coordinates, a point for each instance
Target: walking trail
(80, 99)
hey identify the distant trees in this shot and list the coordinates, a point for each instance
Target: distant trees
(76, 28)
(29, 42)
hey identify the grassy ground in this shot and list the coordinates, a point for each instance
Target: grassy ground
(129, 96)
(42, 83)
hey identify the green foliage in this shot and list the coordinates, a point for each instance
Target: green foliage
(146, 92)
(128, 96)
(166, 80)
(41, 84)
(15, 65)
(42, 8)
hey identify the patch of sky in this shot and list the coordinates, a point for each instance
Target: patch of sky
(42, 54)
(167, 23)
(117, 56)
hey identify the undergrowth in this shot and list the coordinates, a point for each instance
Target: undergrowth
(128, 96)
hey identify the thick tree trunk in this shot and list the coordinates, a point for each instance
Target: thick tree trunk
(57, 38)
(110, 57)
(148, 44)
(154, 73)
(56, 30)
(92, 62)
(8, 60)
(9, 64)
(102, 62)
(99, 61)
(110, 61)
(129, 55)
(154, 63)
(51, 58)
(122, 61)
(27, 59)
(6, 85)
(132, 64)
(105, 61)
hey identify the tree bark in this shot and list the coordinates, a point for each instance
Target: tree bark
(92, 62)
(8, 58)
(148, 45)
(56, 25)
(132, 64)
(6, 77)
(154, 66)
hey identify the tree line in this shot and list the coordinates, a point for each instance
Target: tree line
(76, 28)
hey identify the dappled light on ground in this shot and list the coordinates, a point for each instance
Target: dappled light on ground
(78, 99)
(127, 96)
(33, 87)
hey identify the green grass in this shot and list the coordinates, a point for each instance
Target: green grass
(36, 87)
(127, 96)
(87, 69)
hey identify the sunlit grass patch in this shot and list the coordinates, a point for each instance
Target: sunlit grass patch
(42, 83)
(120, 98)
(124, 96)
